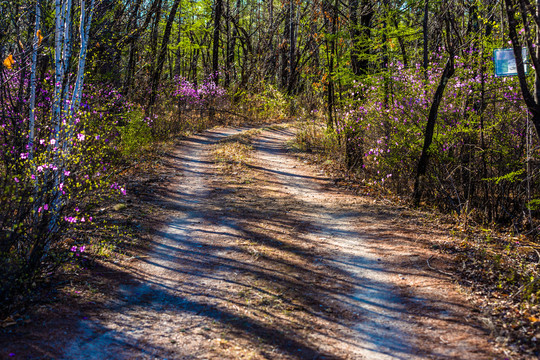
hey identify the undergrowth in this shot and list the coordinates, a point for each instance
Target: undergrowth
(494, 262)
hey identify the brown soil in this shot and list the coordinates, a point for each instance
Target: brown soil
(263, 258)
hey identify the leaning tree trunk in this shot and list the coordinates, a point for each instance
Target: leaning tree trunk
(430, 127)
(531, 100)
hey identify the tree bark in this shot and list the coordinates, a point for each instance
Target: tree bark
(355, 36)
(365, 23)
(161, 58)
(330, 52)
(215, 42)
(285, 48)
(532, 101)
(292, 50)
(425, 43)
(35, 46)
(430, 126)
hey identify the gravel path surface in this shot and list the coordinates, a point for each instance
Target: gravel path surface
(271, 261)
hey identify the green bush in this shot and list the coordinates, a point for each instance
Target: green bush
(136, 135)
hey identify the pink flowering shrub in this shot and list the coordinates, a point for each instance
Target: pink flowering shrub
(478, 156)
(206, 94)
(49, 183)
(187, 105)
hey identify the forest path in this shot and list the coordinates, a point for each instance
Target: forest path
(273, 262)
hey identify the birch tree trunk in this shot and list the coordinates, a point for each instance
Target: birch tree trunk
(32, 117)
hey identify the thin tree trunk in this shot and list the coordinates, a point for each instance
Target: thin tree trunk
(215, 51)
(272, 60)
(330, 51)
(215, 41)
(430, 127)
(35, 46)
(401, 43)
(285, 48)
(292, 49)
(361, 35)
(178, 61)
(229, 55)
(355, 37)
(161, 58)
(425, 32)
(155, 29)
(531, 100)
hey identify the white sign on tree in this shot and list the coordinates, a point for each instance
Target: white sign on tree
(505, 62)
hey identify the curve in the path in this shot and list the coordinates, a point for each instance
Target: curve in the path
(384, 332)
(187, 291)
(170, 282)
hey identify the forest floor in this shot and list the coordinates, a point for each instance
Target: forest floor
(256, 254)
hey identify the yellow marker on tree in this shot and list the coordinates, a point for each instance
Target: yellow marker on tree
(40, 37)
(8, 62)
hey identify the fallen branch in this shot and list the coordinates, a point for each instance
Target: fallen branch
(437, 270)
(524, 286)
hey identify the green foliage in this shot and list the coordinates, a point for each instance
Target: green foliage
(265, 103)
(136, 135)
(510, 177)
(534, 204)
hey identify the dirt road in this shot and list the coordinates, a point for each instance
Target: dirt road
(268, 260)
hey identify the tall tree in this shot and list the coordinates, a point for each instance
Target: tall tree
(215, 41)
(527, 10)
(158, 68)
(448, 72)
